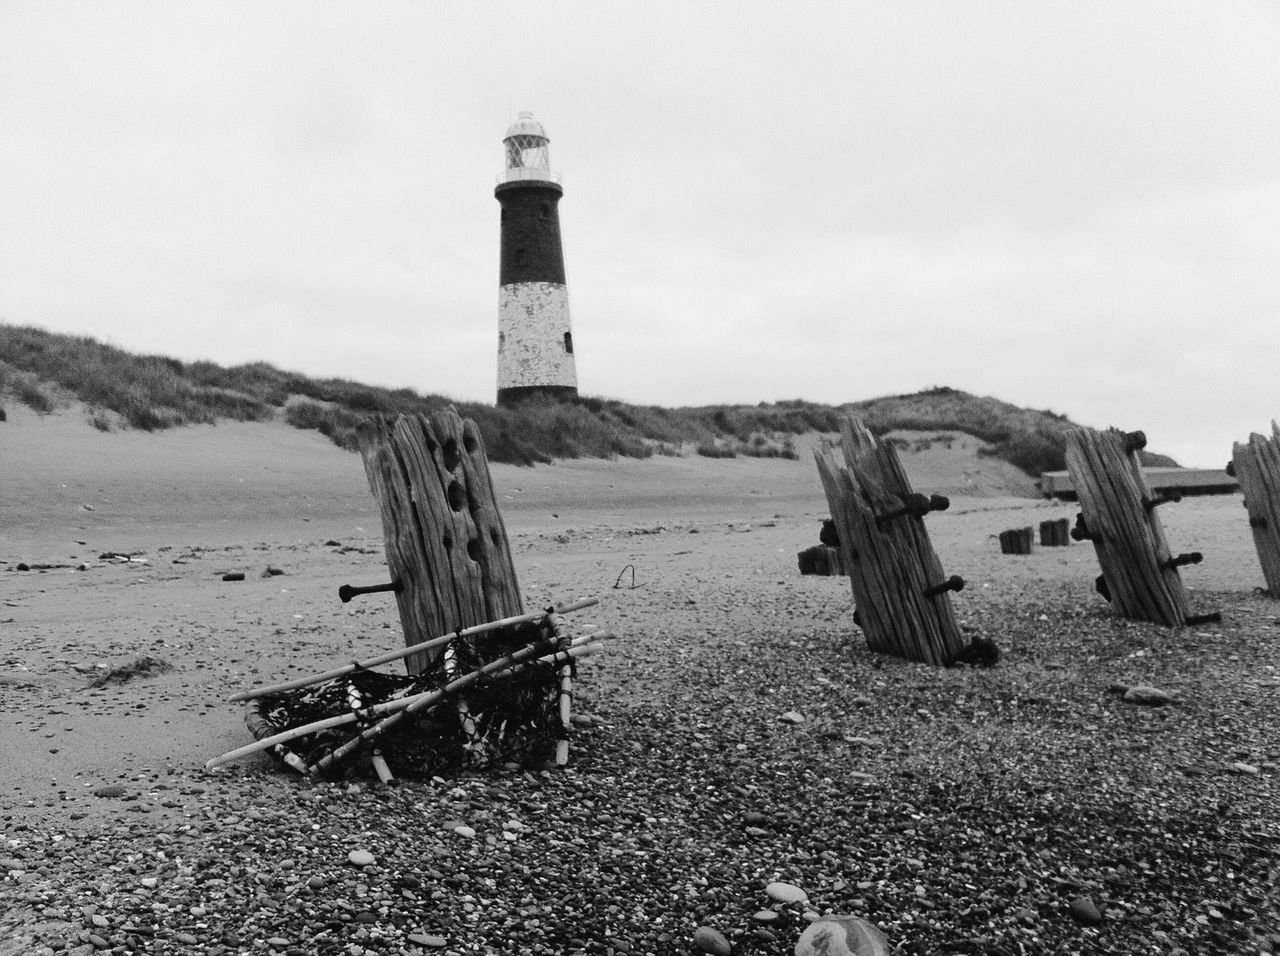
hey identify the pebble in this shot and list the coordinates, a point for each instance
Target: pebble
(464, 831)
(361, 858)
(765, 916)
(791, 717)
(842, 936)
(1148, 696)
(786, 893)
(427, 940)
(113, 790)
(1246, 768)
(708, 940)
(1085, 912)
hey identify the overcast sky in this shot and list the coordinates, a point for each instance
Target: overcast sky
(1072, 206)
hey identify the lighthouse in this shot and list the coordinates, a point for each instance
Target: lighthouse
(535, 338)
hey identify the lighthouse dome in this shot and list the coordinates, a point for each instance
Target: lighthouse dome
(526, 125)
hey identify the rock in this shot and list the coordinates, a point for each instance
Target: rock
(464, 831)
(786, 893)
(842, 936)
(427, 940)
(754, 818)
(791, 717)
(361, 858)
(1147, 696)
(1085, 912)
(1246, 768)
(708, 940)
(765, 916)
(114, 790)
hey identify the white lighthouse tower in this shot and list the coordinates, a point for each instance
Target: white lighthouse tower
(535, 338)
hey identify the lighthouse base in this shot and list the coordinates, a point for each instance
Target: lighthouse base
(521, 393)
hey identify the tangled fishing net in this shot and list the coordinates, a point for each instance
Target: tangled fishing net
(511, 716)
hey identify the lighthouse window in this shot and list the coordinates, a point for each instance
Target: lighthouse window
(568, 342)
(546, 211)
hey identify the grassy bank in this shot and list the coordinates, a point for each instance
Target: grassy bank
(45, 371)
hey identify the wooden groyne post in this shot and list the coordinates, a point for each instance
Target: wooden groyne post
(903, 601)
(1256, 465)
(1118, 513)
(446, 545)
(1055, 533)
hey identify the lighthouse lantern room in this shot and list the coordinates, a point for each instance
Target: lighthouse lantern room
(535, 337)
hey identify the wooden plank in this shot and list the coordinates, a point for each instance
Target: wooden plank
(890, 564)
(1257, 466)
(1129, 540)
(446, 544)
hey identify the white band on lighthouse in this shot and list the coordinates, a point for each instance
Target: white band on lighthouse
(535, 338)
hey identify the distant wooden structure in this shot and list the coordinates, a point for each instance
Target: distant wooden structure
(446, 545)
(821, 559)
(1055, 534)
(1016, 541)
(1257, 466)
(902, 599)
(1183, 481)
(1118, 514)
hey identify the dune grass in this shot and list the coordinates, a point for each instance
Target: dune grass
(44, 370)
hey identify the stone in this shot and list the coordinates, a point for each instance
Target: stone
(1085, 912)
(427, 940)
(754, 818)
(791, 717)
(1147, 696)
(1246, 768)
(842, 936)
(113, 790)
(786, 893)
(765, 916)
(464, 831)
(708, 940)
(361, 858)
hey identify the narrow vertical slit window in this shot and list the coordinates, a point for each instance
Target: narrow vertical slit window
(568, 343)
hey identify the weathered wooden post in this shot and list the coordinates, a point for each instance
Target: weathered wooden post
(446, 545)
(1015, 541)
(902, 600)
(1055, 534)
(1256, 466)
(1118, 514)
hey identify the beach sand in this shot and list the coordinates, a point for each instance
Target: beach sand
(127, 536)
(191, 504)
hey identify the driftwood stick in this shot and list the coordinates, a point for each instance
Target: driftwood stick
(594, 640)
(418, 702)
(566, 714)
(380, 767)
(406, 651)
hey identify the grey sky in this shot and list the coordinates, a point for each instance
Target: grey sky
(1067, 206)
